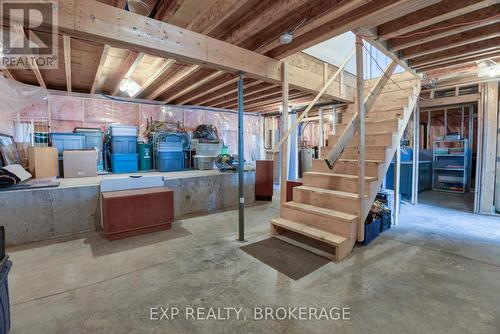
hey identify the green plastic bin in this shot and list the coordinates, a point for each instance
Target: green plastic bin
(145, 156)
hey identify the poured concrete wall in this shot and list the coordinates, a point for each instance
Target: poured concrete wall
(30, 215)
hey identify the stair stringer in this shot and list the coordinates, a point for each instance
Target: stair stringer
(375, 185)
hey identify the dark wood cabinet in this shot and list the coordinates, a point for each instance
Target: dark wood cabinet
(264, 180)
(127, 213)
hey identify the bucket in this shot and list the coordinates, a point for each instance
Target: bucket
(145, 156)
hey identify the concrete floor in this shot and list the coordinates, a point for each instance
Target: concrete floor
(437, 272)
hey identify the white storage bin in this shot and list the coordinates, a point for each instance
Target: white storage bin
(123, 130)
(204, 162)
(208, 149)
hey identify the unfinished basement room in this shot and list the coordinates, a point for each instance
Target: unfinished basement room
(249, 166)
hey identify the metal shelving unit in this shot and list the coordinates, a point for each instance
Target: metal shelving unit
(450, 171)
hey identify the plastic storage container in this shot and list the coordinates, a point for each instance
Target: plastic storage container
(124, 163)
(372, 231)
(124, 144)
(67, 141)
(170, 161)
(145, 156)
(208, 150)
(93, 139)
(169, 147)
(123, 130)
(204, 162)
(5, 266)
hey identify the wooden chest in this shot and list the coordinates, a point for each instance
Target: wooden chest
(131, 212)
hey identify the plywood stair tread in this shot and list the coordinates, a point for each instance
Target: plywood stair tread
(342, 216)
(337, 193)
(366, 160)
(310, 231)
(347, 176)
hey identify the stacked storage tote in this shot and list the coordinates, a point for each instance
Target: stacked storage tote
(169, 152)
(124, 157)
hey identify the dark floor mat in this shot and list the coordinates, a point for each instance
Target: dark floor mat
(289, 260)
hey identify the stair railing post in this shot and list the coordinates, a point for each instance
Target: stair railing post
(360, 101)
(284, 149)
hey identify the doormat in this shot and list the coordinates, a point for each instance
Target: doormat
(288, 259)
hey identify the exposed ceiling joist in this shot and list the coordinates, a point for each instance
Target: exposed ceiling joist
(162, 66)
(67, 61)
(333, 13)
(252, 95)
(178, 77)
(473, 20)
(230, 87)
(194, 86)
(373, 13)
(232, 95)
(461, 60)
(441, 11)
(33, 64)
(100, 67)
(464, 38)
(100, 22)
(462, 51)
(216, 85)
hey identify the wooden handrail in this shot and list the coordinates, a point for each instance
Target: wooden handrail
(313, 102)
(351, 127)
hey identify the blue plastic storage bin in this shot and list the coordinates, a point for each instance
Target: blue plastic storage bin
(124, 163)
(93, 139)
(4, 296)
(123, 144)
(372, 231)
(170, 161)
(67, 141)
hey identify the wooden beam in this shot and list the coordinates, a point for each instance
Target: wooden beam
(167, 9)
(482, 17)
(222, 90)
(194, 86)
(443, 10)
(270, 93)
(275, 100)
(164, 65)
(462, 51)
(371, 14)
(125, 71)
(205, 22)
(8, 74)
(100, 67)
(33, 65)
(360, 101)
(216, 86)
(489, 100)
(444, 101)
(264, 43)
(67, 61)
(175, 79)
(440, 64)
(284, 151)
(464, 38)
(250, 94)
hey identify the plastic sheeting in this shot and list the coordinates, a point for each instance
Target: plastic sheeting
(68, 112)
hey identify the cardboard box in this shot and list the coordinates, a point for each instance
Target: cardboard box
(80, 163)
(42, 162)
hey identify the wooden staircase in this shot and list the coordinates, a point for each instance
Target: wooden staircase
(326, 207)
